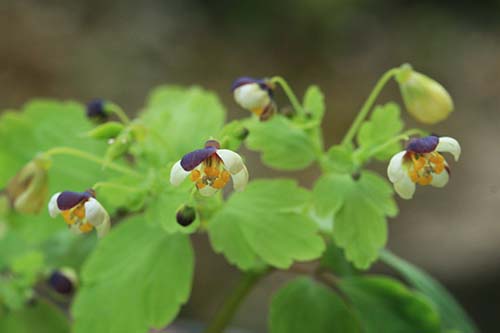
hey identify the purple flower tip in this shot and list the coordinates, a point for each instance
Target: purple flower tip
(194, 158)
(67, 199)
(247, 80)
(423, 145)
(95, 109)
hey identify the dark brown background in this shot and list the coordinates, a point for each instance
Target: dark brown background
(121, 49)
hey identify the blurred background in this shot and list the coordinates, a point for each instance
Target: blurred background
(119, 50)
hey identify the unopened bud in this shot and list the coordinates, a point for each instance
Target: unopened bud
(64, 281)
(186, 215)
(106, 131)
(425, 99)
(28, 189)
(96, 110)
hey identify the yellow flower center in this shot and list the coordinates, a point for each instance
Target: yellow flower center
(211, 173)
(77, 215)
(422, 166)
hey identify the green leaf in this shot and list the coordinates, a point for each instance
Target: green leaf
(360, 209)
(341, 159)
(283, 145)
(314, 102)
(179, 120)
(334, 260)
(39, 318)
(306, 306)
(384, 124)
(385, 305)
(452, 314)
(136, 279)
(266, 222)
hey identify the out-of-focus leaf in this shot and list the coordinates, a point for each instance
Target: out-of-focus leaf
(334, 260)
(306, 306)
(453, 316)
(40, 318)
(266, 222)
(136, 279)
(385, 305)
(314, 102)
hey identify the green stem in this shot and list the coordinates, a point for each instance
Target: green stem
(226, 313)
(365, 109)
(90, 157)
(117, 186)
(403, 136)
(290, 94)
(118, 111)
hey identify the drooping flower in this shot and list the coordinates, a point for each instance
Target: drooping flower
(28, 189)
(255, 95)
(421, 163)
(425, 99)
(81, 211)
(210, 169)
(63, 280)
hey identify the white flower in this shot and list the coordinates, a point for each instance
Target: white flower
(421, 163)
(255, 95)
(81, 211)
(211, 169)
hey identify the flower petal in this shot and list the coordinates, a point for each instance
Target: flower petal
(53, 209)
(405, 187)
(423, 145)
(103, 228)
(240, 179)
(67, 199)
(395, 170)
(251, 96)
(441, 179)
(75, 229)
(177, 174)
(207, 191)
(194, 158)
(95, 212)
(232, 161)
(449, 145)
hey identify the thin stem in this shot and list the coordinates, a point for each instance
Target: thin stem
(403, 136)
(290, 94)
(90, 157)
(118, 111)
(117, 186)
(226, 313)
(365, 109)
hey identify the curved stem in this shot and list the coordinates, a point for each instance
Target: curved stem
(118, 111)
(226, 313)
(90, 157)
(365, 109)
(289, 93)
(403, 136)
(117, 186)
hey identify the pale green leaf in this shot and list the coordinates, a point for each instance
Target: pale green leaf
(314, 102)
(283, 145)
(384, 124)
(136, 279)
(385, 305)
(266, 222)
(452, 314)
(303, 305)
(39, 317)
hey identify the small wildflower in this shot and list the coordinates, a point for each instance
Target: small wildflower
(255, 95)
(81, 211)
(28, 189)
(211, 169)
(186, 215)
(421, 163)
(425, 99)
(63, 280)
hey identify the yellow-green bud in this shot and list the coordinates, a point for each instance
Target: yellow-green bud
(28, 189)
(425, 99)
(106, 131)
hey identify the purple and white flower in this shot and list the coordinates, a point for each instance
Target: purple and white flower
(255, 95)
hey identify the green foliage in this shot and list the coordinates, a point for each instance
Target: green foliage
(266, 222)
(341, 159)
(385, 305)
(137, 278)
(179, 120)
(384, 124)
(283, 144)
(39, 317)
(335, 261)
(314, 103)
(360, 208)
(452, 314)
(306, 306)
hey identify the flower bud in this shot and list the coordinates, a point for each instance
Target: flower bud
(186, 215)
(28, 190)
(119, 146)
(425, 99)
(64, 281)
(96, 110)
(106, 131)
